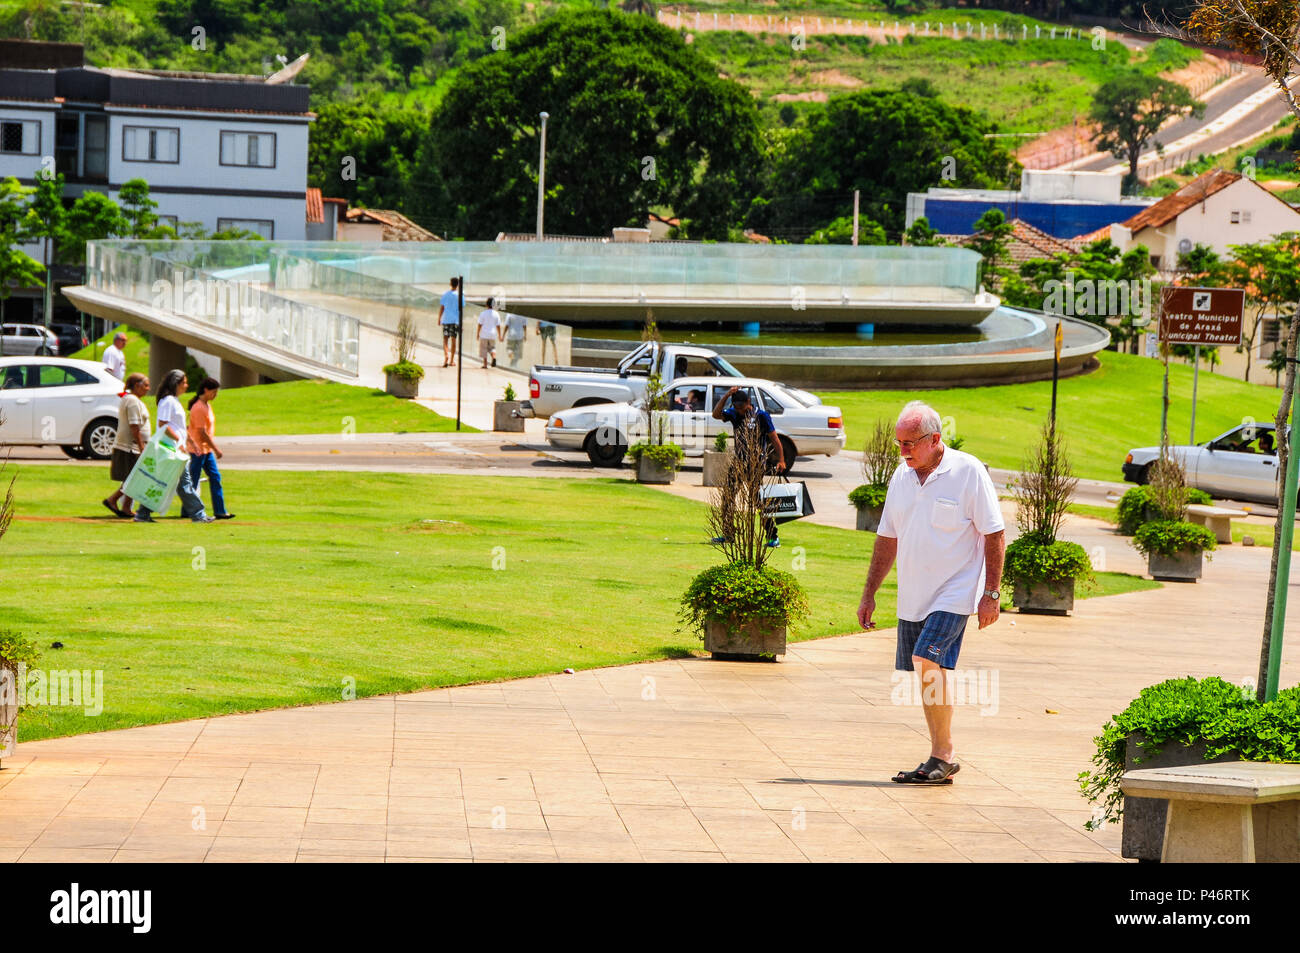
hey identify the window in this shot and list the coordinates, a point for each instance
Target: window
(20, 136)
(169, 221)
(248, 148)
(56, 375)
(771, 404)
(95, 150)
(1245, 216)
(1235, 217)
(149, 144)
(689, 398)
(260, 226)
(719, 390)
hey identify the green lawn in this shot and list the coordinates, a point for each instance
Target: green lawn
(1103, 415)
(384, 579)
(293, 407)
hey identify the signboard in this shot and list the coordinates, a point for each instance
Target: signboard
(1209, 316)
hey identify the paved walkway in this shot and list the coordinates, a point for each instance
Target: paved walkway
(688, 759)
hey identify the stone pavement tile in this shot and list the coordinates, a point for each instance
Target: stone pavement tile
(777, 796)
(139, 767)
(18, 836)
(84, 832)
(200, 767)
(332, 815)
(123, 808)
(447, 844)
(182, 813)
(1079, 857)
(411, 781)
(313, 857)
(612, 824)
(394, 859)
(351, 780)
(647, 791)
(743, 831)
(683, 856)
(426, 806)
(354, 832)
(594, 846)
(595, 807)
(516, 853)
(950, 817)
(704, 792)
(180, 854)
(251, 850)
(208, 791)
(268, 792)
(66, 855)
(159, 837)
(982, 845)
(665, 828)
(10, 854)
(343, 847)
(505, 815)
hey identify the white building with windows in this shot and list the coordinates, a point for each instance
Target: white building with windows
(225, 151)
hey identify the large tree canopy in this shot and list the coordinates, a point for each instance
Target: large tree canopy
(637, 120)
(1131, 109)
(886, 143)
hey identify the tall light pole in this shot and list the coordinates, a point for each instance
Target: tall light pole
(541, 177)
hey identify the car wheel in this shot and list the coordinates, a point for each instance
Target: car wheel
(77, 453)
(1143, 476)
(605, 452)
(98, 438)
(45, 351)
(787, 450)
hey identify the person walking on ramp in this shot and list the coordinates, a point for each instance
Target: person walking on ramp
(942, 522)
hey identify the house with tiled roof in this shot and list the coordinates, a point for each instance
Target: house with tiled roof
(1027, 243)
(323, 215)
(381, 225)
(1218, 208)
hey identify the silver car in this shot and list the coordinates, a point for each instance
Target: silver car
(804, 425)
(1240, 464)
(28, 339)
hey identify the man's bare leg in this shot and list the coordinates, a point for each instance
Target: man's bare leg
(936, 702)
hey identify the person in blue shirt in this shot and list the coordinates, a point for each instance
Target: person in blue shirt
(749, 424)
(449, 321)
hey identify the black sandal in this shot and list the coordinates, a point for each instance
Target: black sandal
(934, 771)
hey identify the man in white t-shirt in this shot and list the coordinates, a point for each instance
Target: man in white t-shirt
(489, 323)
(115, 358)
(943, 524)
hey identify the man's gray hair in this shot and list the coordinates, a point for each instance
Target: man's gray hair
(921, 415)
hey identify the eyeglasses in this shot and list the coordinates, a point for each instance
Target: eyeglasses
(909, 444)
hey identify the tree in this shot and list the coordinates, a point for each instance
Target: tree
(94, 216)
(992, 233)
(920, 233)
(1130, 109)
(138, 210)
(18, 226)
(840, 232)
(1202, 260)
(638, 120)
(885, 143)
(364, 153)
(1270, 274)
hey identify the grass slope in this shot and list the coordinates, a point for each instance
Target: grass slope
(293, 407)
(1103, 414)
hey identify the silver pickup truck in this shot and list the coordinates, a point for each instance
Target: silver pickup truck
(552, 388)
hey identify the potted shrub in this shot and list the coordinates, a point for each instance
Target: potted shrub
(1176, 723)
(1174, 549)
(879, 461)
(715, 461)
(16, 653)
(503, 412)
(743, 609)
(1040, 569)
(1136, 507)
(657, 459)
(402, 377)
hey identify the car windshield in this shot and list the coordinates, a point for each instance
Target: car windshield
(797, 397)
(727, 368)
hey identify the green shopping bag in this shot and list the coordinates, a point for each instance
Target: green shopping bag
(153, 480)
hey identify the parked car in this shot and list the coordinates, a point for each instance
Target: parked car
(48, 401)
(605, 431)
(554, 387)
(1240, 464)
(28, 339)
(71, 338)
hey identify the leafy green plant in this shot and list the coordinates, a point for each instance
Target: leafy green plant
(720, 442)
(1185, 711)
(1171, 537)
(405, 370)
(510, 393)
(666, 455)
(1137, 506)
(868, 496)
(1031, 560)
(16, 653)
(955, 443)
(737, 594)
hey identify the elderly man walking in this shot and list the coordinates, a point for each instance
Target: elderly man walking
(943, 524)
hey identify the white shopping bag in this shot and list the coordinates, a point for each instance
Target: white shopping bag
(786, 501)
(153, 480)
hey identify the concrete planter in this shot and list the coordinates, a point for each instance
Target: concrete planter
(401, 386)
(647, 471)
(715, 467)
(749, 641)
(1055, 597)
(1183, 567)
(502, 419)
(8, 713)
(1144, 818)
(869, 517)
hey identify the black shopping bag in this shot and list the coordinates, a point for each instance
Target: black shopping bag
(786, 501)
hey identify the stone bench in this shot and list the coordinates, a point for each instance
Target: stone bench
(1240, 812)
(1217, 519)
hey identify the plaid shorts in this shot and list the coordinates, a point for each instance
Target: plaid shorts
(938, 638)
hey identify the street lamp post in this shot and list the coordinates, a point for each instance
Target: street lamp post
(541, 177)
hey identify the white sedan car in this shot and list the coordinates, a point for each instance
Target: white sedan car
(1240, 464)
(48, 401)
(804, 425)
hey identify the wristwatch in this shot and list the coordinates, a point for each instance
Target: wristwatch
(993, 594)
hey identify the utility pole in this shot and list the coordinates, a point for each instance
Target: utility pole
(541, 177)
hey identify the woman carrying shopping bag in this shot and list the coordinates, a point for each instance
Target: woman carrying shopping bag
(171, 422)
(204, 452)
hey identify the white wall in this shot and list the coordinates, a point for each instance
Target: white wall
(1210, 223)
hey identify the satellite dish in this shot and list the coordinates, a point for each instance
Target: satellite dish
(1184, 246)
(289, 72)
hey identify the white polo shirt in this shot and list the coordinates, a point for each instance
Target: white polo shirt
(940, 527)
(115, 361)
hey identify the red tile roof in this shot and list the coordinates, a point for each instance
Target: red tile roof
(1088, 239)
(397, 227)
(1027, 242)
(315, 208)
(1171, 206)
